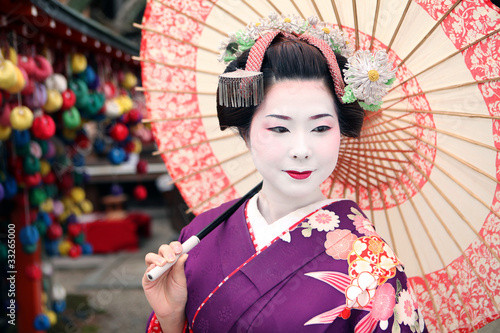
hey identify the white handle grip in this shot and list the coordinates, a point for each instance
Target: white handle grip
(186, 247)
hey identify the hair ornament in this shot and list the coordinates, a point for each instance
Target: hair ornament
(367, 77)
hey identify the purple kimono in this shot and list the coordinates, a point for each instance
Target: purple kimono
(330, 272)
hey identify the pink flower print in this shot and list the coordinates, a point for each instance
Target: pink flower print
(339, 242)
(362, 224)
(324, 220)
(383, 304)
(404, 308)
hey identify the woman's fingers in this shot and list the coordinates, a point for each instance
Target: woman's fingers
(166, 253)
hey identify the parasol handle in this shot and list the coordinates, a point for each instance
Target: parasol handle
(187, 246)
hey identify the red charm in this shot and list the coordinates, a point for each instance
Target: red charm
(140, 192)
(75, 251)
(34, 272)
(49, 178)
(74, 229)
(69, 99)
(142, 167)
(346, 313)
(32, 180)
(54, 231)
(119, 132)
(43, 127)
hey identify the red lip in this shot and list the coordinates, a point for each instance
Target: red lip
(298, 175)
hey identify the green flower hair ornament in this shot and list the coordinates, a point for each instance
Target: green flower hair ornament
(367, 76)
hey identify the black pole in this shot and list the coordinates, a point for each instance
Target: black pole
(224, 216)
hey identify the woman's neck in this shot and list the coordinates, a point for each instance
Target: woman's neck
(273, 206)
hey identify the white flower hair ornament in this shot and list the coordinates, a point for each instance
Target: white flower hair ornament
(367, 77)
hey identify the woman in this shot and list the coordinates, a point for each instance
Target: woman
(289, 259)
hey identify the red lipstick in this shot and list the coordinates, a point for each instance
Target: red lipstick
(298, 175)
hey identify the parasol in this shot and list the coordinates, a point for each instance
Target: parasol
(426, 167)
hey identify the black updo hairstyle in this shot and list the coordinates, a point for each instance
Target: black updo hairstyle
(288, 59)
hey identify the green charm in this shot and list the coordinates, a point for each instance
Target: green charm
(370, 107)
(348, 96)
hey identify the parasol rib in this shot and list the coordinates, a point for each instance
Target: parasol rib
(438, 130)
(337, 16)
(455, 86)
(274, 7)
(404, 187)
(441, 221)
(346, 163)
(228, 12)
(157, 120)
(377, 124)
(190, 210)
(471, 166)
(447, 58)
(347, 173)
(357, 169)
(438, 23)
(450, 233)
(374, 28)
(363, 142)
(180, 179)
(381, 158)
(447, 113)
(252, 8)
(356, 27)
(399, 25)
(316, 9)
(363, 135)
(297, 9)
(142, 27)
(193, 144)
(223, 33)
(437, 188)
(173, 91)
(174, 66)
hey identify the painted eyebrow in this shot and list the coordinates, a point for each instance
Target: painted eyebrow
(318, 116)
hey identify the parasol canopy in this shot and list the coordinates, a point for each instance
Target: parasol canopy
(426, 167)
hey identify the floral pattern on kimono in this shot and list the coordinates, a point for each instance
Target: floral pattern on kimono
(371, 263)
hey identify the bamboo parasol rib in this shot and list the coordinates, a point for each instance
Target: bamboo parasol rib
(177, 180)
(401, 20)
(193, 144)
(157, 120)
(221, 191)
(337, 16)
(429, 234)
(374, 28)
(317, 11)
(174, 66)
(447, 58)
(192, 18)
(142, 27)
(454, 86)
(356, 27)
(436, 25)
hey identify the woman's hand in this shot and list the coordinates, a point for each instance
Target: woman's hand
(167, 295)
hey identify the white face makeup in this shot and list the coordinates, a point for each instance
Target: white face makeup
(294, 140)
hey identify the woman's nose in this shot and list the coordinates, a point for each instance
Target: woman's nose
(300, 148)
